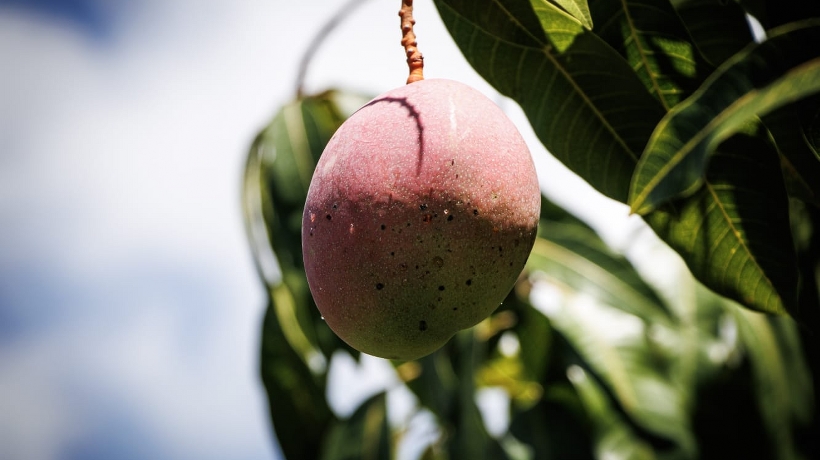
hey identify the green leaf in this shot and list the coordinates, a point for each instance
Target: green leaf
(533, 330)
(719, 29)
(433, 380)
(296, 344)
(649, 34)
(557, 427)
(577, 258)
(467, 435)
(734, 233)
(801, 168)
(300, 414)
(754, 82)
(445, 383)
(811, 130)
(781, 380)
(604, 308)
(520, 373)
(364, 436)
(295, 324)
(614, 437)
(277, 175)
(585, 103)
(614, 344)
(579, 9)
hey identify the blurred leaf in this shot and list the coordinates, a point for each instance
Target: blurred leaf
(534, 335)
(277, 175)
(811, 131)
(295, 343)
(801, 168)
(782, 382)
(719, 28)
(576, 257)
(649, 34)
(578, 9)
(752, 83)
(555, 428)
(445, 383)
(808, 317)
(286, 309)
(734, 233)
(300, 414)
(802, 400)
(602, 306)
(613, 436)
(509, 373)
(363, 436)
(468, 437)
(614, 345)
(585, 103)
(434, 381)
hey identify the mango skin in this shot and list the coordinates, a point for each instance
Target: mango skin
(421, 214)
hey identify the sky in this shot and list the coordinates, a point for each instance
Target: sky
(130, 312)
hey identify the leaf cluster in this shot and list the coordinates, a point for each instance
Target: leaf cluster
(674, 109)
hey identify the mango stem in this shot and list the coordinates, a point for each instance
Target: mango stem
(415, 61)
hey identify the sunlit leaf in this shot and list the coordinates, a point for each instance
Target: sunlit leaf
(299, 334)
(652, 38)
(585, 103)
(363, 436)
(751, 84)
(579, 9)
(508, 373)
(541, 57)
(734, 233)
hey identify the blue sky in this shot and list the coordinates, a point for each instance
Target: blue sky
(129, 307)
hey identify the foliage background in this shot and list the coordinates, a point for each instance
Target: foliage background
(589, 359)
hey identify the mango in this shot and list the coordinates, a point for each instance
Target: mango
(420, 216)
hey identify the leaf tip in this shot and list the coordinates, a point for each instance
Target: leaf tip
(640, 207)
